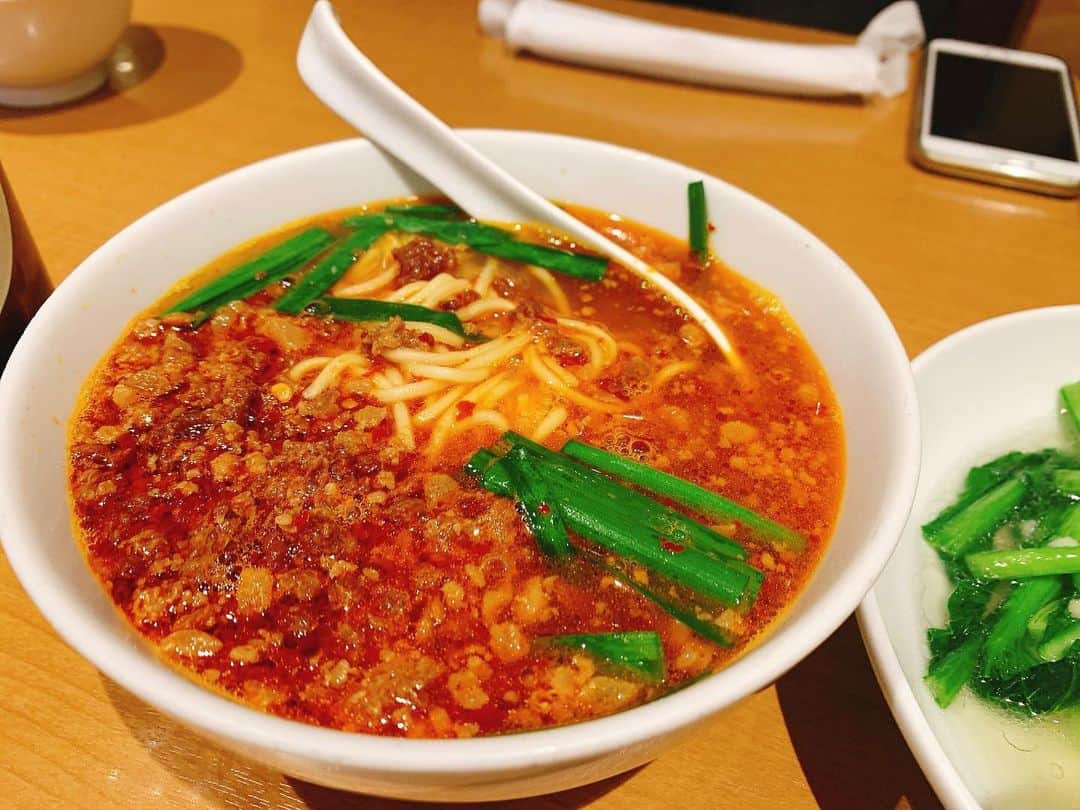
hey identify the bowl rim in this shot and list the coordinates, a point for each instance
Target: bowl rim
(898, 691)
(229, 720)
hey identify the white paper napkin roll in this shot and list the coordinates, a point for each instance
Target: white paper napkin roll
(876, 64)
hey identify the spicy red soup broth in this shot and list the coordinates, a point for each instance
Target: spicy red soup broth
(289, 537)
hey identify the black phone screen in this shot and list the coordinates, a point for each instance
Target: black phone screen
(1010, 106)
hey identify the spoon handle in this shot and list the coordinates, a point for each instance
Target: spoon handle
(348, 83)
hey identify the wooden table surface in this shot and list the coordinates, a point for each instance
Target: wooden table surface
(219, 89)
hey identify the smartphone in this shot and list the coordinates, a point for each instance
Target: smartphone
(998, 115)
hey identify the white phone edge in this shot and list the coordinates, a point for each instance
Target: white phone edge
(993, 164)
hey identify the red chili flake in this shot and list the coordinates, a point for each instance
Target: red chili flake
(545, 318)
(673, 548)
(568, 360)
(465, 408)
(426, 339)
(640, 446)
(711, 227)
(542, 508)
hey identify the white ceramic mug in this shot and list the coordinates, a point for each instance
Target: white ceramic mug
(53, 51)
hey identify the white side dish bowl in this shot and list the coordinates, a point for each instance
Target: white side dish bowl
(983, 391)
(838, 315)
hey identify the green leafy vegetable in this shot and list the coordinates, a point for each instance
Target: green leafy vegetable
(947, 674)
(1007, 651)
(954, 533)
(1024, 562)
(1070, 408)
(1009, 544)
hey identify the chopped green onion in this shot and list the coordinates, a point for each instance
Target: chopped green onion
(480, 464)
(537, 505)
(674, 599)
(607, 522)
(260, 272)
(323, 276)
(954, 533)
(946, 677)
(431, 211)
(639, 651)
(1067, 482)
(364, 310)
(463, 232)
(690, 608)
(493, 241)
(669, 525)
(1021, 563)
(684, 493)
(699, 221)
(729, 581)
(579, 265)
(1070, 408)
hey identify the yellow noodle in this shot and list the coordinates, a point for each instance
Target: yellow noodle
(589, 402)
(560, 372)
(596, 355)
(440, 358)
(542, 372)
(446, 427)
(611, 350)
(440, 431)
(479, 391)
(439, 289)
(369, 286)
(497, 392)
(630, 348)
(487, 275)
(394, 376)
(458, 375)
(431, 287)
(485, 417)
(376, 260)
(402, 425)
(332, 372)
(550, 423)
(406, 290)
(496, 354)
(448, 291)
(413, 390)
(553, 288)
(545, 376)
(673, 370)
(485, 306)
(306, 365)
(440, 333)
(434, 409)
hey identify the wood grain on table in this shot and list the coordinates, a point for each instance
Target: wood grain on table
(211, 86)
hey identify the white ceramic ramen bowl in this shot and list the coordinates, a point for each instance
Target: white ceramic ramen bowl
(841, 319)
